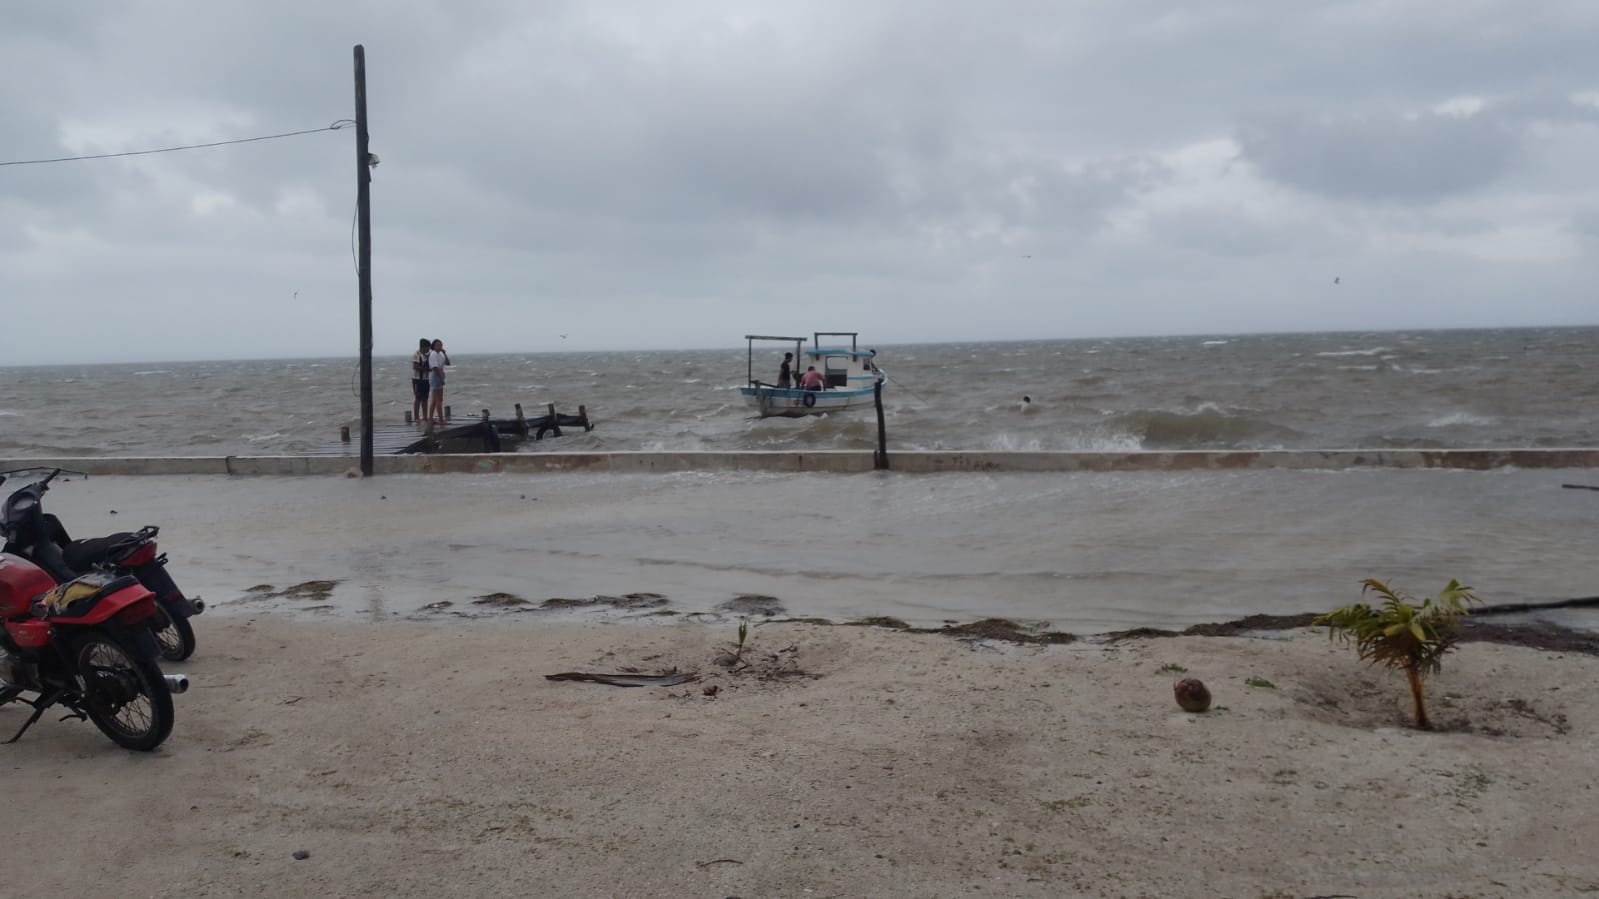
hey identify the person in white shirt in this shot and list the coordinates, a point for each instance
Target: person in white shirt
(437, 359)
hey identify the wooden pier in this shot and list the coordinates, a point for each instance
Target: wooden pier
(484, 434)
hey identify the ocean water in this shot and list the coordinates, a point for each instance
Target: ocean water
(1450, 389)
(1085, 551)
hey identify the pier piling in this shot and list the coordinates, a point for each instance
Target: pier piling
(880, 458)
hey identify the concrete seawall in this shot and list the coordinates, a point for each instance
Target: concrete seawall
(834, 461)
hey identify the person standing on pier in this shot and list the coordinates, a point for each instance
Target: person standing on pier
(437, 359)
(419, 380)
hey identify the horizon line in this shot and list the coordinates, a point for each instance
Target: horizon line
(914, 343)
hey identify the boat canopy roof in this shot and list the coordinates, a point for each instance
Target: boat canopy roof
(840, 351)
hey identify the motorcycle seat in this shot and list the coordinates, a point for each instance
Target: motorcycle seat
(79, 595)
(82, 555)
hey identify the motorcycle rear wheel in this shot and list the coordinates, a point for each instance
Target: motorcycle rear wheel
(125, 694)
(174, 635)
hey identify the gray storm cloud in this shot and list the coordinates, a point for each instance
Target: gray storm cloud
(639, 175)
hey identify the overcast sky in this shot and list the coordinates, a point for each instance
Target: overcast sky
(656, 174)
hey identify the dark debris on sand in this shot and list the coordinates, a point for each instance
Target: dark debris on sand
(625, 601)
(316, 591)
(503, 600)
(754, 604)
(1536, 635)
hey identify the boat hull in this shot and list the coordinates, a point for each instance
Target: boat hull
(788, 402)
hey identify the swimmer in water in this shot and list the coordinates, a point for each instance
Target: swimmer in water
(1027, 405)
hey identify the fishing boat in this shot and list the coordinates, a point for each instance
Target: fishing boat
(849, 377)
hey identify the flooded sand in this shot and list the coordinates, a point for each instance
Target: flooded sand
(1086, 552)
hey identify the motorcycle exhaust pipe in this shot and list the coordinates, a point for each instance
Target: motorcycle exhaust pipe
(196, 606)
(178, 683)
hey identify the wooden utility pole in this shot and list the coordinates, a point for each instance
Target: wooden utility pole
(880, 458)
(363, 207)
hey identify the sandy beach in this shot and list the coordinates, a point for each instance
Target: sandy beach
(426, 759)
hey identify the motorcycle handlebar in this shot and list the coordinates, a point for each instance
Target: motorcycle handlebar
(45, 483)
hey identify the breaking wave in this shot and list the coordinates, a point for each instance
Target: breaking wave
(1455, 419)
(1207, 427)
(1374, 351)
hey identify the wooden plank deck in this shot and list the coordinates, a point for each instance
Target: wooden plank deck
(472, 435)
(386, 440)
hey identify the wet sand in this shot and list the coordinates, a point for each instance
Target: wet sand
(428, 759)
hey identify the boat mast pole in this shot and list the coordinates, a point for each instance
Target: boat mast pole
(363, 207)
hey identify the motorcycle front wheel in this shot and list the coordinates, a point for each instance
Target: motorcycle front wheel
(124, 693)
(174, 635)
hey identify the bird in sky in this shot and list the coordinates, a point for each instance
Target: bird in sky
(563, 336)
(1335, 279)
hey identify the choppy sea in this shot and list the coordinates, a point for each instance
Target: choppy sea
(1461, 388)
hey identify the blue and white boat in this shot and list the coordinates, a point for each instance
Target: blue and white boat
(849, 375)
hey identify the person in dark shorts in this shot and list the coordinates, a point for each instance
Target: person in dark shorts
(784, 378)
(419, 380)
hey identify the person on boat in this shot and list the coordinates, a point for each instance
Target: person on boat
(812, 379)
(419, 380)
(437, 359)
(784, 378)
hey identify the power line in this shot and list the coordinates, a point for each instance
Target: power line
(341, 123)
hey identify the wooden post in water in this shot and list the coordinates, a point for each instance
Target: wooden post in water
(363, 265)
(485, 415)
(555, 422)
(447, 415)
(521, 420)
(880, 458)
(344, 433)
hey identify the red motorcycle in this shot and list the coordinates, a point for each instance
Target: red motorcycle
(85, 645)
(40, 538)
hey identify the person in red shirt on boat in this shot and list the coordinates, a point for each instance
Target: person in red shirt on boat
(812, 379)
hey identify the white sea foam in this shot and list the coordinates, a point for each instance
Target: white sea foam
(1009, 443)
(1374, 351)
(1459, 418)
(714, 413)
(1214, 342)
